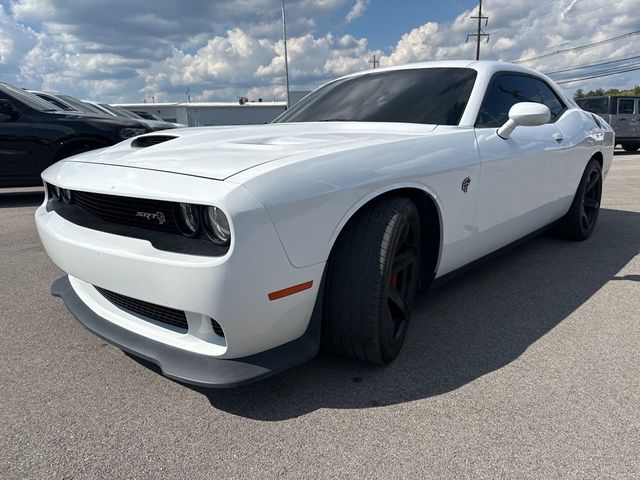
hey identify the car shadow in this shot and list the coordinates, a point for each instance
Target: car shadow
(21, 199)
(460, 331)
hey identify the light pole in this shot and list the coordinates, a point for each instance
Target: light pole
(286, 57)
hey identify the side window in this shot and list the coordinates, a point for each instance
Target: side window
(625, 106)
(550, 99)
(7, 98)
(505, 91)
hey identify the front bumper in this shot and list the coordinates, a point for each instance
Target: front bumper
(232, 289)
(187, 366)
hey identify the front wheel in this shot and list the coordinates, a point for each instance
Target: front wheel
(372, 280)
(580, 220)
(630, 147)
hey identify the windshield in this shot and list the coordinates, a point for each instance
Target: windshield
(120, 112)
(81, 106)
(425, 95)
(147, 116)
(28, 99)
(54, 101)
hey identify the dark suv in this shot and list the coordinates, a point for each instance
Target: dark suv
(33, 135)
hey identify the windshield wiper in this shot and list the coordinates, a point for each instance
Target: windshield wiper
(335, 120)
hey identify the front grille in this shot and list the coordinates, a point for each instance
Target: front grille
(138, 212)
(168, 315)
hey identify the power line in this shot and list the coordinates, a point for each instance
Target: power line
(376, 63)
(581, 47)
(605, 70)
(480, 33)
(579, 67)
(602, 73)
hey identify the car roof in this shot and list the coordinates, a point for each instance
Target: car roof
(485, 66)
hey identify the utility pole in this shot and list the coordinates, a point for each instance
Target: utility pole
(480, 33)
(376, 63)
(286, 57)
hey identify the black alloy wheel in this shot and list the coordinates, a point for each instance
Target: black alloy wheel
(591, 200)
(402, 284)
(371, 282)
(580, 220)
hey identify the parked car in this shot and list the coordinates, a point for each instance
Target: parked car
(146, 115)
(622, 113)
(69, 103)
(151, 116)
(227, 254)
(54, 100)
(34, 135)
(122, 113)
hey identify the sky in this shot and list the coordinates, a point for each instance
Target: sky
(135, 51)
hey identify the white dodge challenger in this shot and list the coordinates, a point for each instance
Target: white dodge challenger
(227, 254)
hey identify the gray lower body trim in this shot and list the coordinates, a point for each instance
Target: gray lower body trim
(190, 367)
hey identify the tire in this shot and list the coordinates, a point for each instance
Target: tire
(372, 278)
(580, 221)
(630, 147)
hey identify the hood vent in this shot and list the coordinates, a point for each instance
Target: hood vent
(150, 140)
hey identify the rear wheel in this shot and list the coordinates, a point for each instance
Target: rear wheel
(372, 279)
(579, 222)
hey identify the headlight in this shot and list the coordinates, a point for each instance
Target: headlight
(188, 219)
(217, 226)
(131, 132)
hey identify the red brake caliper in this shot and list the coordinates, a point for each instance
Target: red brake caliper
(394, 280)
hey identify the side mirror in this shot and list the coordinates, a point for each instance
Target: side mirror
(525, 114)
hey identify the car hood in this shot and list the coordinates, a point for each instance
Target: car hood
(221, 152)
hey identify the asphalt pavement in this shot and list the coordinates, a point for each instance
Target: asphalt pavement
(526, 367)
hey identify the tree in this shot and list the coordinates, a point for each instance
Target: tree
(580, 93)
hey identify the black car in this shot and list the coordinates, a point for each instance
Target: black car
(34, 134)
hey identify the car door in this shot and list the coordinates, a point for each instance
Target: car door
(521, 178)
(17, 158)
(625, 124)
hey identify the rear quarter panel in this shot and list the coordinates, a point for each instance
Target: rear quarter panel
(583, 139)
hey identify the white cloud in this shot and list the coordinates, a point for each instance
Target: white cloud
(16, 40)
(521, 30)
(90, 51)
(357, 10)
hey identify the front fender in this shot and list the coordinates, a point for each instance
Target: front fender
(311, 201)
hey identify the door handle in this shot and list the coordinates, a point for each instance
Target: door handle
(558, 137)
(622, 119)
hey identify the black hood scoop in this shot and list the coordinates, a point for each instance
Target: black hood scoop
(150, 140)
